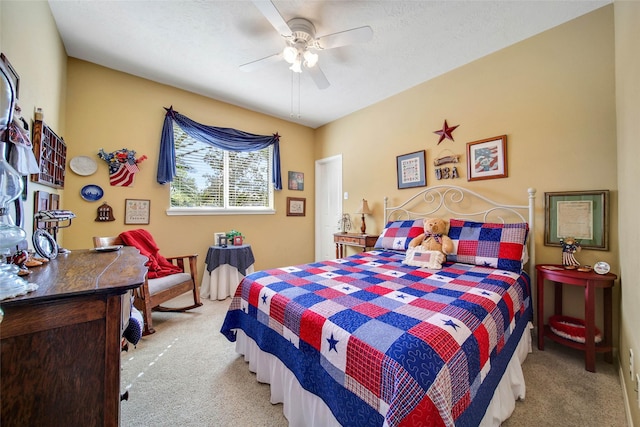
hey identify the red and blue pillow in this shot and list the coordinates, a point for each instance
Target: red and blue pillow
(397, 234)
(488, 244)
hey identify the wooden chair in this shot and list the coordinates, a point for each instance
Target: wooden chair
(154, 292)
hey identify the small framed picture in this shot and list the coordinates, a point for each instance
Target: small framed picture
(137, 211)
(487, 158)
(296, 181)
(296, 206)
(411, 170)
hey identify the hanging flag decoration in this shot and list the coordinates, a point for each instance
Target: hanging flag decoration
(123, 166)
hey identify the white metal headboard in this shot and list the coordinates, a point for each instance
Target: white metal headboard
(457, 202)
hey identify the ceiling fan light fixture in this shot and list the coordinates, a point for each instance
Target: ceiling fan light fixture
(296, 67)
(290, 54)
(310, 59)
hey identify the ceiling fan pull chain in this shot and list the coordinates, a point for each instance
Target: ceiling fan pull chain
(298, 94)
(291, 111)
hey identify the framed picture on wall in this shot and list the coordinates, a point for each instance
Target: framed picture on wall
(137, 211)
(296, 181)
(296, 206)
(13, 75)
(411, 170)
(487, 158)
(583, 215)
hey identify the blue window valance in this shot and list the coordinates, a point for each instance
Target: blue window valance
(224, 138)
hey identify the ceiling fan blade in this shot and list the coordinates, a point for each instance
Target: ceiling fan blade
(261, 63)
(318, 77)
(270, 12)
(343, 38)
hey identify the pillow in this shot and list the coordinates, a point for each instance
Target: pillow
(420, 258)
(397, 234)
(488, 244)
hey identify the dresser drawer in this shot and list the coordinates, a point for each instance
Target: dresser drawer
(350, 240)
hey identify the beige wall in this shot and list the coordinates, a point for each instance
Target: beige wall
(552, 95)
(29, 39)
(110, 110)
(627, 49)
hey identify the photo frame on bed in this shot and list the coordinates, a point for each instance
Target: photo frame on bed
(583, 215)
(487, 158)
(411, 170)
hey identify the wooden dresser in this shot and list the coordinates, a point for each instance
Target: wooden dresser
(60, 345)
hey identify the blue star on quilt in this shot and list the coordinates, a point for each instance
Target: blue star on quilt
(264, 298)
(451, 323)
(332, 343)
(485, 293)
(346, 288)
(401, 296)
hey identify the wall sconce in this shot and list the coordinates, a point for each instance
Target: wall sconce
(363, 210)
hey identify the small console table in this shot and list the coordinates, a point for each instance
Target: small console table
(226, 267)
(590, 281)
(363, 241)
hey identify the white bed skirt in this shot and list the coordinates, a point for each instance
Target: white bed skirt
(304, 409)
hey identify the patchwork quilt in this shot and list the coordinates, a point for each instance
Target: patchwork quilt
(384, 343)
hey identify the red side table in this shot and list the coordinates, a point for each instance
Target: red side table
(590, 281)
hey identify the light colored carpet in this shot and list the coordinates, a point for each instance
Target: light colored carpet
(188, 374)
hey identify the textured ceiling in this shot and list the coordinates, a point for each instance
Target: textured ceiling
(198, 45)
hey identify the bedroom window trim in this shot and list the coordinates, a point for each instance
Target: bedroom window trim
(222, 146)
(226, 186)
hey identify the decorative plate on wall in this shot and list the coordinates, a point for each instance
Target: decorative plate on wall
(91, 193)
(83, 165)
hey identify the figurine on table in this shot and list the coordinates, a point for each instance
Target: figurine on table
(569, 247)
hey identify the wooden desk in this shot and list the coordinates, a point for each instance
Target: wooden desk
(363, 241)
(60, 345)
(590, 281)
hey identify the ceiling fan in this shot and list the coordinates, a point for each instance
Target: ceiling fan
(301, 42)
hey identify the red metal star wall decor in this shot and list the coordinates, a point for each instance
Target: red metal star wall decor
(445, 132)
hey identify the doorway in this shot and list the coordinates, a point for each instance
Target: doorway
(328, 205)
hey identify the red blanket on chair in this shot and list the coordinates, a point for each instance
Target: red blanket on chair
(158, 265)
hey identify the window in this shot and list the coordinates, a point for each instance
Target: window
(209, 179)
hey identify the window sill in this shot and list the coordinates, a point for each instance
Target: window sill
(214, 211)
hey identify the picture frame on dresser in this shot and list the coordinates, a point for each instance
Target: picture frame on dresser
(583, 215)
(411, 170)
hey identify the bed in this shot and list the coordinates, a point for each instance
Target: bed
(368, 340)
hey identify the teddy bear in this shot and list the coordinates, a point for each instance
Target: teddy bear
(430, 248)
(434, 237)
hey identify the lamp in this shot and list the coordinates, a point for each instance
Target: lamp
(290, 54)
(298, 55)
(11, 284)
(364, 210)
(310, 58)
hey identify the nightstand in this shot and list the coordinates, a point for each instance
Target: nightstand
(590, 281)
(363, 241)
